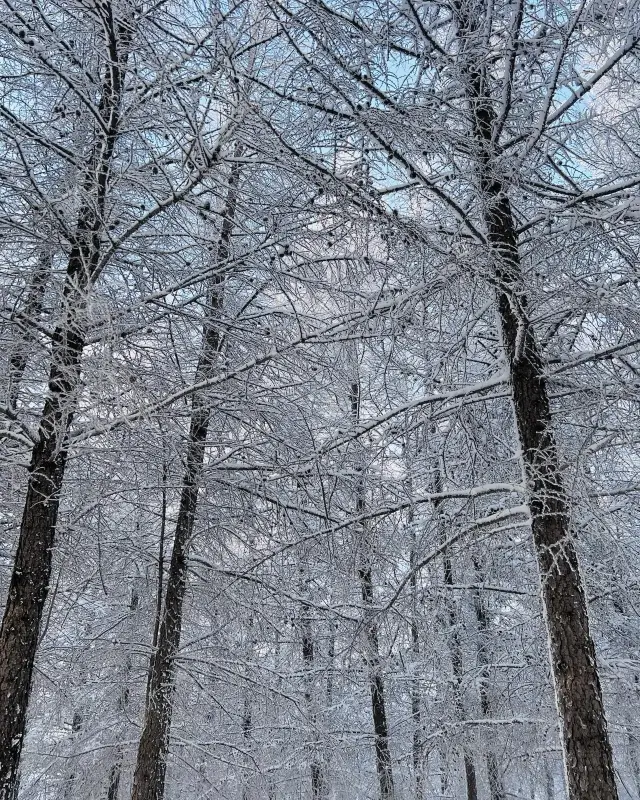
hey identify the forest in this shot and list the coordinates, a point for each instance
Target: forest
(319, 399)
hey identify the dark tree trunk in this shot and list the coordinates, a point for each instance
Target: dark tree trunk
(76, 727)
(308, 647)
(247, 729)
(455, 647)
(457, 666)
(416, 695)
(32, 567)
(586, 743)
(372, 649)
(151, 763)
(587, 749)
(318, 782)
(496, 787)
(416, 699)
(123, 703)
(247, 714)
(26, 319)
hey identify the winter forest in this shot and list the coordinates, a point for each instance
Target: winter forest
(320, 399)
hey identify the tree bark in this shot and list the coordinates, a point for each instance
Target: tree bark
(496, 786)
(123, 703)
(318, 782)
(76, 727)
(247, 716)
(151, 763)
(416, 698)
(28, 315)
(29, 583)
(455, 648)
(417, 744)
(372, 650)
(308, 648)
(457, 666)
(586, 745)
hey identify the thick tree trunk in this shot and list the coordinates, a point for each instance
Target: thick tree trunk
(151, 763)
(372, 649)
(32, 567)
(587, 750)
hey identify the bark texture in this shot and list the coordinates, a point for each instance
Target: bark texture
(153, 748)
(586, 745)
(29, 583)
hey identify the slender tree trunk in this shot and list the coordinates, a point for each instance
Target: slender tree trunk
(123, 703)
(247, 729)
(28, 315)
(318, 782)
(417, 745)
(150, 771)
(455, 647)
(457, 665)
(308, 647)
(163, 528)
(76, 727)
(372, 651)
(32, 567)
(247, 717)
(587, 749)
(496, 786)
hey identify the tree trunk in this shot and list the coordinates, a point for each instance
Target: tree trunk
(151, 763)
(76, 727)
(316, 765)
(318, 782)
(28, 315)
(247, 713)
(123, 703)
(372, 649)
(455, 648)
(587, 749)
(457, 666)
(247, 728)
(32, 567)
(496, 787)
(417, 745)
